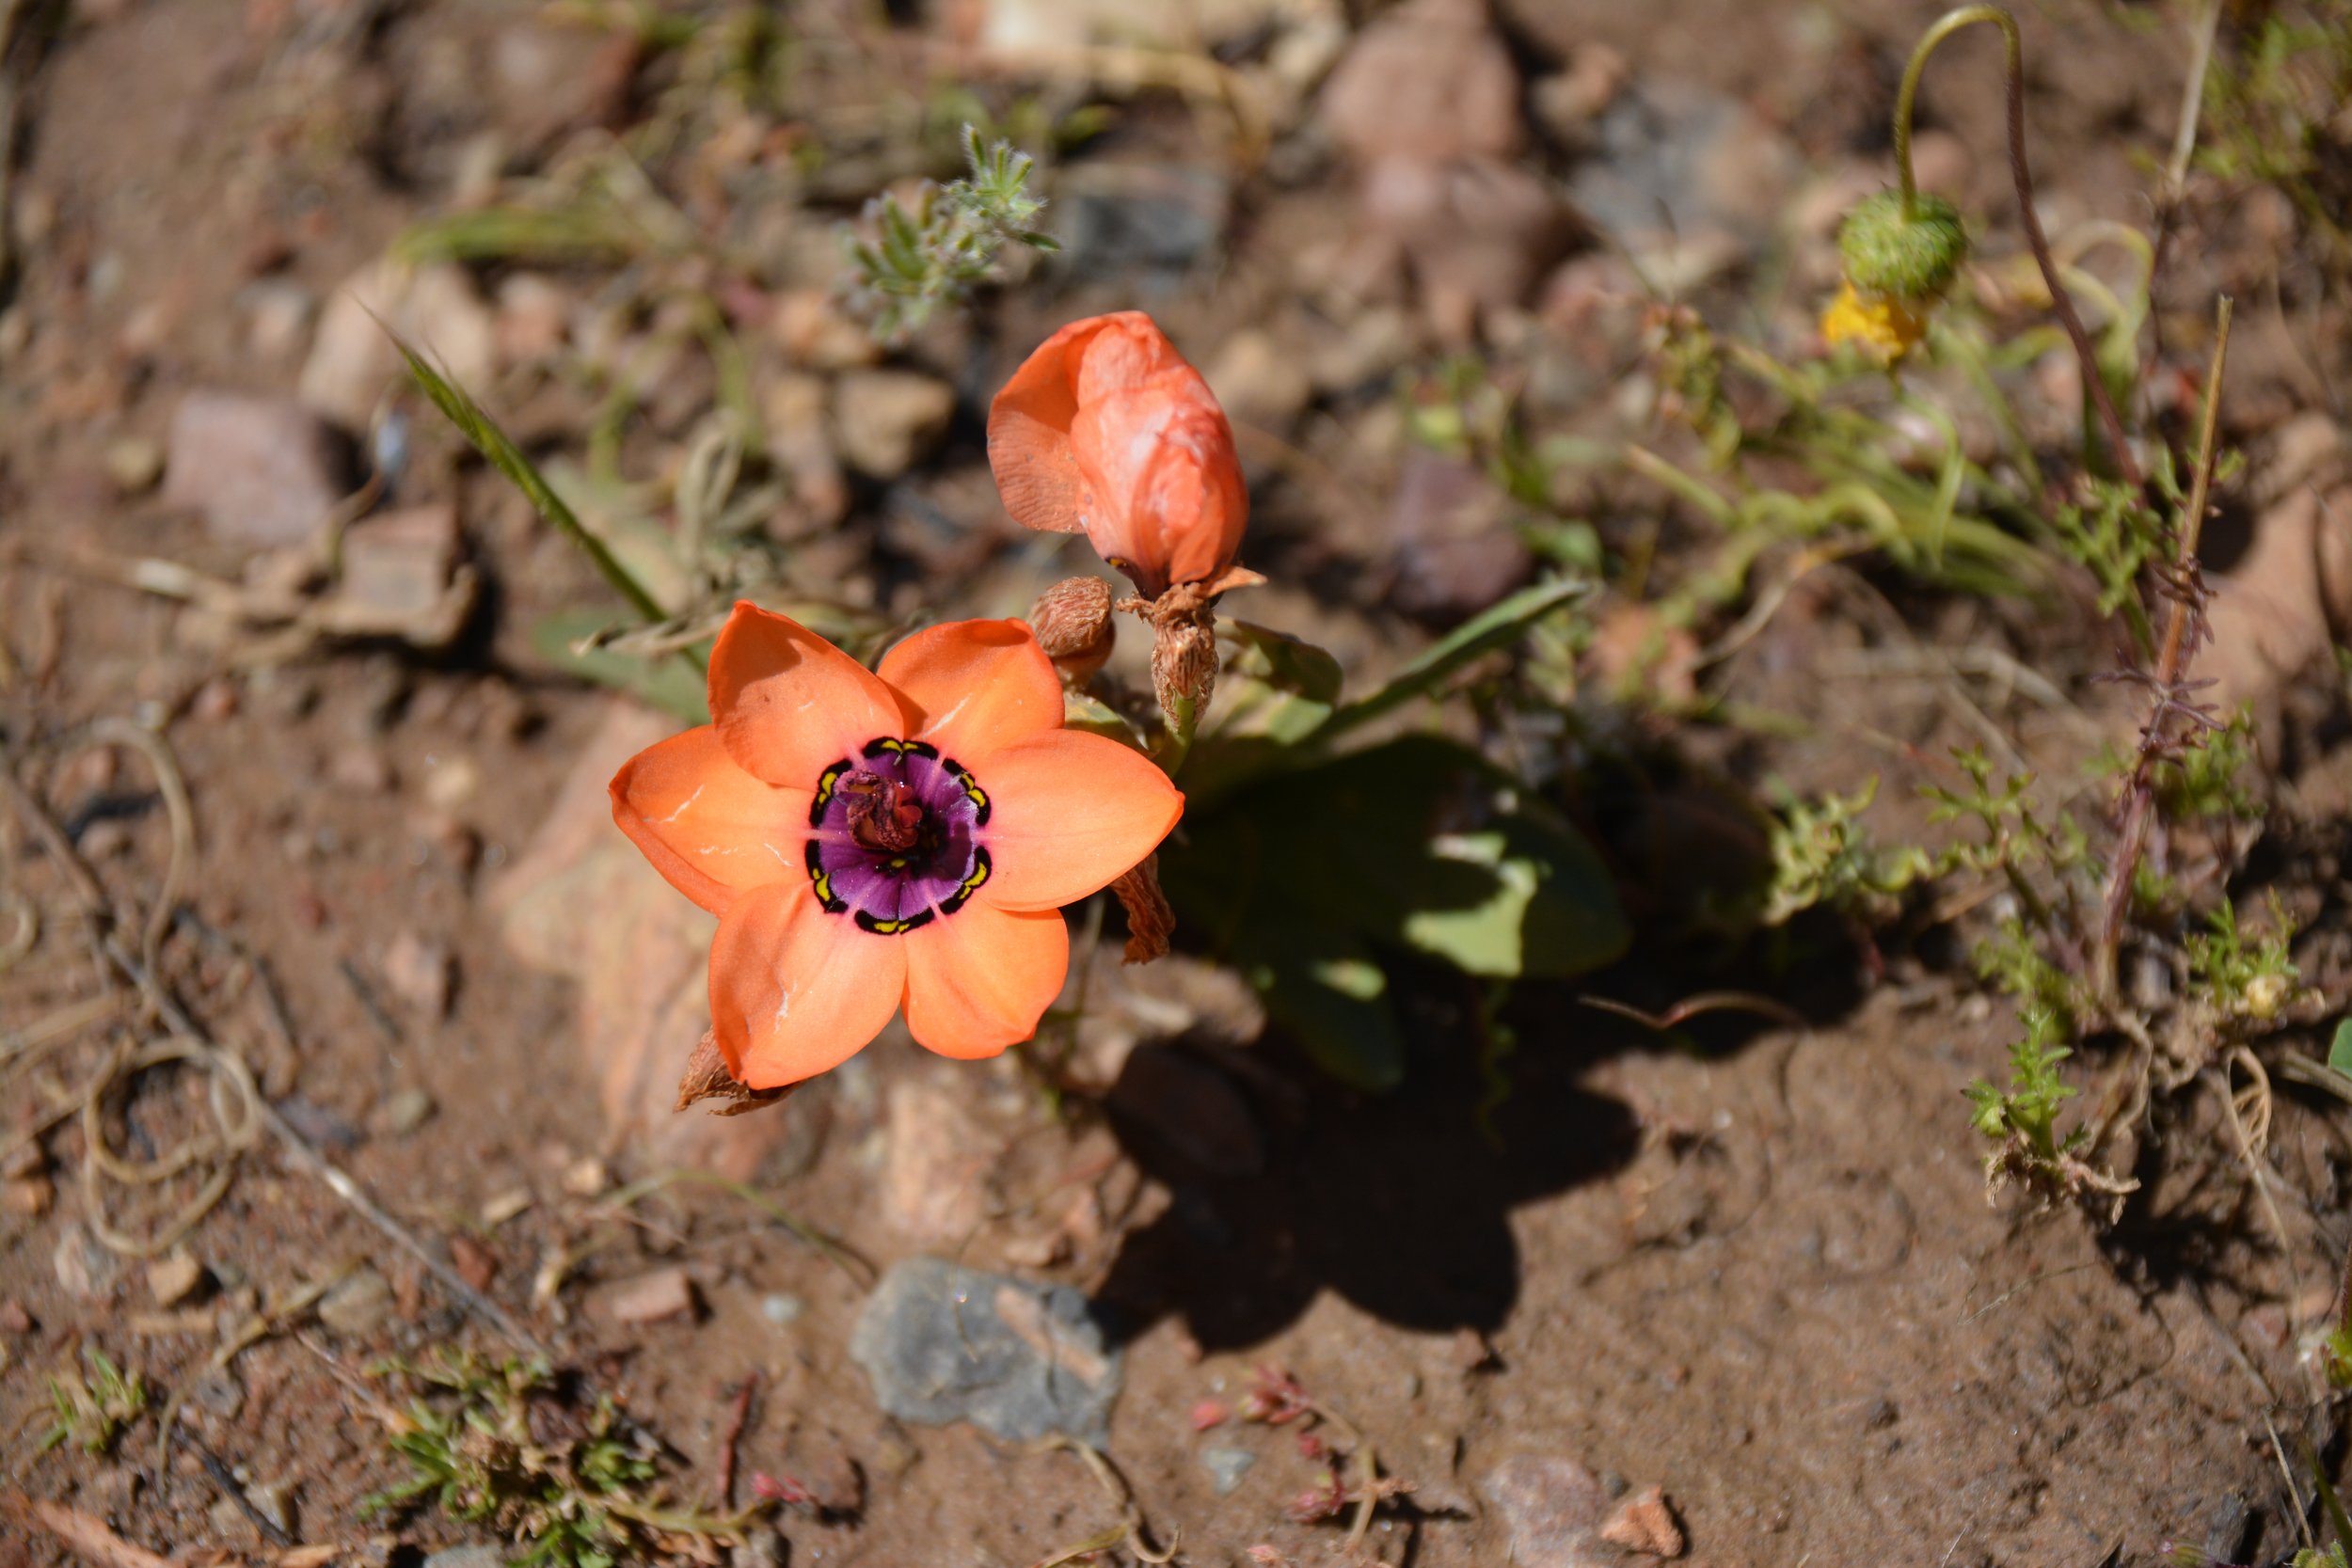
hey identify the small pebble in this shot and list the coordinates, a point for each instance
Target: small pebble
(218, 1393)
(85, 1269)
(134, 463)
(171, 1280)
(1226, 1467)
(358, 1305)
(649, 1298)
(406, 1111)
(782, 1309)
(29, 1196)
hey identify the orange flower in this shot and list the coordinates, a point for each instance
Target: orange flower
(876, 841)
(1107, 431)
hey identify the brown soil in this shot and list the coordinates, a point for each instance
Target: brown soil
(1755, 1265)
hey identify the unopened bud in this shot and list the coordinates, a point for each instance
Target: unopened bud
(1912, 257)
(1072, 622)
(1183, 665)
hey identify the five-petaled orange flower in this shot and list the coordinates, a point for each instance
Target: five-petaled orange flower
(1107, 431)
(872, 841)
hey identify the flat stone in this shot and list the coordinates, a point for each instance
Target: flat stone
(1451, 544)
(420, 974)
(1260, 381)
(937, 1157)
(86, 1270)
(218, 1393)
(1158, 220)
(171, 1280)
(357, 1307)
(1552, 1508)
(352, 362)
(397, 565)
(648, 1298)
(262, 470)
(1226, 1467)
(885, 421)
(1645, 1523)
(943, 1344)
(406, 1111)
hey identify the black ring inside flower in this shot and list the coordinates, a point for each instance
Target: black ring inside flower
(895, 836)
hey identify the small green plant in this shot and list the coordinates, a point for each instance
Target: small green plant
(1822, 855)
(91, 1412)
(506, 1446)
(948, 244)
(2023, 1117)
(2242, 976)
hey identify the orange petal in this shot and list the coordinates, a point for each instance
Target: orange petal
(795, 991)
(787, 703)
(975, 687)
(1070, 813)
(711, 828)
(979, 979)
(1028, 432)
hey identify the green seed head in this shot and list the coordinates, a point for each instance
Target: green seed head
(1914, 258)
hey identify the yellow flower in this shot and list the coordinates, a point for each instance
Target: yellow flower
(1881, 326)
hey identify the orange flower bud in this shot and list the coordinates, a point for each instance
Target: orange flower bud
(1107, 431)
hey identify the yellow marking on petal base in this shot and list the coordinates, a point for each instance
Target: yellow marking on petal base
(1881, 326)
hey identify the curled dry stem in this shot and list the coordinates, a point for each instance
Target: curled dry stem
(2021, 176)
(1130, 1530)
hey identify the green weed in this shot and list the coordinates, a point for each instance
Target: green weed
(502, 1445)
(91, 1412)
(948, 244)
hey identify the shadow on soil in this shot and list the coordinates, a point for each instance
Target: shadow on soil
(1402, 1202)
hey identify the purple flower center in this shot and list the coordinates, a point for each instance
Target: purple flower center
(893, 839)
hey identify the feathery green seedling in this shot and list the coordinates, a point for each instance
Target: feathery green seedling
(948, 244)
(501, 1446)
(92, 1412)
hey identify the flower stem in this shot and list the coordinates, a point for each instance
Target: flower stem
(1183, 718)
(2172, 659)
(1950, 23)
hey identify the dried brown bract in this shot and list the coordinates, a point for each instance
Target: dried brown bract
(1072, 622)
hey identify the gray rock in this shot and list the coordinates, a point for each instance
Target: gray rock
(1553, 1510)
(1450, 537)
(1121, 219)
(262, 470)
(1226, 1467)
(218, 1393)
(1683, 169)
(86, 1270)
(943, 1344)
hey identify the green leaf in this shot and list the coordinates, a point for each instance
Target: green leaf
(1082, 712)
(1331, 994)
(671, 685)
(1303, 879)
(1552, 913)
(1483, 633)
(1282, 661)
(507, 458)
(2339, 1049)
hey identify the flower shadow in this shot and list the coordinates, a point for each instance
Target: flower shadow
(1400, 1202)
